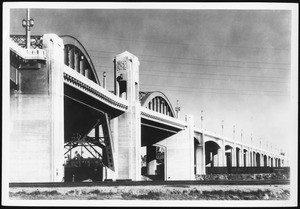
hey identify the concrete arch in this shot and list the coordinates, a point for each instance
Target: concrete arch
(238, 156)
(265, 157)
(245, 156)
(157, 101)
(257, 159)
(72, 41)
(211, 149)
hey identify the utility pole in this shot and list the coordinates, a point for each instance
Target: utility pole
(27, 24)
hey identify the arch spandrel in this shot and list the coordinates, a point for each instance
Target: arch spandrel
(72, 41)
(149, 99)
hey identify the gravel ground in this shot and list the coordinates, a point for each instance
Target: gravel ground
(165, 192)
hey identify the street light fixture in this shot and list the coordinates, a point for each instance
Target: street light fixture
(27, 24)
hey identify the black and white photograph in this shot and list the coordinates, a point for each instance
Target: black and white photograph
(150, 104)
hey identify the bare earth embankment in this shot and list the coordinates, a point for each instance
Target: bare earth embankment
(155, 192)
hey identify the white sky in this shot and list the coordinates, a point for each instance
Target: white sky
(235, 65)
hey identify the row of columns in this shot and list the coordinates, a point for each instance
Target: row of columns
(158, 104)
(240, 157)
(75, 60)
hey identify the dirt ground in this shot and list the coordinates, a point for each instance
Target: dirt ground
(162, 192)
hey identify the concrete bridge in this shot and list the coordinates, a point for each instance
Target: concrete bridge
(57, 104)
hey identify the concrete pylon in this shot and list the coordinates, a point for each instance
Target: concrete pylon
(129, 125)
(37, 118)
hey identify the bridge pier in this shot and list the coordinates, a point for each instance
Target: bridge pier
(37, 118)
(129, 123)
(200, 158)
(179, 152)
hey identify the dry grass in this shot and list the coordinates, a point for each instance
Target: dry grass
(188, 192)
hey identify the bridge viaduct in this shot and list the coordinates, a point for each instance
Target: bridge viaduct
(57, 103)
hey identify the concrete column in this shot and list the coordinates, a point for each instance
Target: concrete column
(71, 57)
(220, 157)
(129, 125)
(200, 158)
(82, 65)
(66, 56)
(161, 107)
(88, 73)
(76, 61)
(151, 160)
(241, 156)
(248, 158)
(233, 156)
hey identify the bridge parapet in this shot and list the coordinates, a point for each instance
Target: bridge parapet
(36, 42)
(27, 54)
(82, 83)
(161, 118)
(236, 143)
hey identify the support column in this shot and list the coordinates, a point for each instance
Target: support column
(151, 160)
(129, 124)
(200, 158)
(241, 156)
(221, 156)
(82, 65)
(233, 156)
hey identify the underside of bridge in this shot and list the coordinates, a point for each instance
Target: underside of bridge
(211, 149)
(82, 115)
(153, 132)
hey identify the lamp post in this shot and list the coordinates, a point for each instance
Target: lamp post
(177, 109)
(241, 135)
(233, 132)
(104, 80)
(201, 119)
(259, 142)
(27, 24)
(222, 126)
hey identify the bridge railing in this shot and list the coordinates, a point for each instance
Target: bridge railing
(17, 47)
(147, 113)
(36, 41)
(83, 83)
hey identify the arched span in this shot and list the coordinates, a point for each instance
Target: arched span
(158, 102)
(72, 41)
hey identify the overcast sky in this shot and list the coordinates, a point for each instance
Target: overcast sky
(235, 65)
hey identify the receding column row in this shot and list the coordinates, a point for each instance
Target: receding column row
(232, 156)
